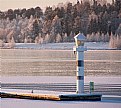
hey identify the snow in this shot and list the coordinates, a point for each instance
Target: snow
(106, 102)
(59, 79)
(21, 103)
(62, 46)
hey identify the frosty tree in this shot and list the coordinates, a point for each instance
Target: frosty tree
(35, 29)
(90, 18)
(56, 27)
(58, 38)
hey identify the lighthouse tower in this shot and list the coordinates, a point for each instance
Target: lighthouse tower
(79, 49)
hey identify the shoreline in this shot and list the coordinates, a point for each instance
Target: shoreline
(60, 46)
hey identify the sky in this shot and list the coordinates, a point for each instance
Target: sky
(15, 4)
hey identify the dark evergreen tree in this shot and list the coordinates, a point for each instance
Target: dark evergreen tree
(49, 14)
(38, 12)
(35, 29)
(10, 14)
(118, 5)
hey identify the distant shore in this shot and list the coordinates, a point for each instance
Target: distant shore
(59, 46)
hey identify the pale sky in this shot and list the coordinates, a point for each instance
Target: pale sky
(15, 4)
(7, 4)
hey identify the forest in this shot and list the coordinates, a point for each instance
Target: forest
(98, 21)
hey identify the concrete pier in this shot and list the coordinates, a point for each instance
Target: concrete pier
(29, 96)
(65, 97)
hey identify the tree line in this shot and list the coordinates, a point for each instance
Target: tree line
(59, 24)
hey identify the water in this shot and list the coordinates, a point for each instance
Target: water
(30, 62)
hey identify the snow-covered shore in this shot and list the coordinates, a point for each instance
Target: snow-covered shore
(62, 46)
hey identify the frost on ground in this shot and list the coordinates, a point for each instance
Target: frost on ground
(17, 103)
(107, 101)
(58, 79)
(61, 46)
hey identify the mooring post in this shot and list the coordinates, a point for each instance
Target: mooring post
(79, 49)
(91, 87)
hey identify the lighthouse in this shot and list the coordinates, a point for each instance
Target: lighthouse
(79, 49)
